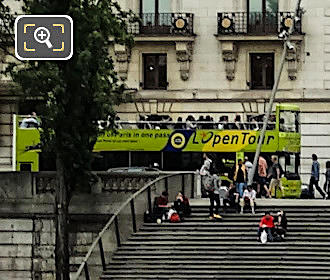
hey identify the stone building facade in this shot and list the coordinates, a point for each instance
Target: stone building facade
(208, 69)
(202, 53)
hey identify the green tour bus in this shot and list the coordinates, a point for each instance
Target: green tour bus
(182, 149)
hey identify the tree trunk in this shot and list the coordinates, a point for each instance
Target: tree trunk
(62, 257)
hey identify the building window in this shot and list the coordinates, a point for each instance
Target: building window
(262, 70)
(155, 6)
(262, 16)
(155, 71)
(263, 6)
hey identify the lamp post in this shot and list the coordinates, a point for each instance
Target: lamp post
(286, 44)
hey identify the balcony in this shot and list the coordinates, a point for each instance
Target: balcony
(263, 28)
(164, 24)
(256, 23)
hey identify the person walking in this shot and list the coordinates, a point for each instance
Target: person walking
(326, 186)
(205, 172)
(275, 175)
(262, 177)
(315, 177)
(240, 177)
(248, 166)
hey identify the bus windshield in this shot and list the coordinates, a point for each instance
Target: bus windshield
(289, 121)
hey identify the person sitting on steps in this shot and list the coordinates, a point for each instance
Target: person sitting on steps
(161, 205)
(267, 224)
(248, 199)
(231, 198)
(281, 224)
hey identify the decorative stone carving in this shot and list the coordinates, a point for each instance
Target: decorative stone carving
(229, 56)
(184, 56)
(123, 55)
(292, 57)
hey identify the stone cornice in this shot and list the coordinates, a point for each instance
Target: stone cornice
(204, 95)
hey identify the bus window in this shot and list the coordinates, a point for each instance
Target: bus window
(289, 121)
(290, 164)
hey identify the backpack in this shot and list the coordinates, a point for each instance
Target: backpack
(175, 218)
(208, 183)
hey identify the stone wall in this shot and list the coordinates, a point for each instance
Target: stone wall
(16, 249)
(27, 232)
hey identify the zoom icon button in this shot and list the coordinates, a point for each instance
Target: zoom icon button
(43, 37)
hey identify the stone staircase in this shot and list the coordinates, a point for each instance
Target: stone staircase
(202, 249)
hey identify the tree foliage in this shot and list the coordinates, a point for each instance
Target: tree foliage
(74, 94)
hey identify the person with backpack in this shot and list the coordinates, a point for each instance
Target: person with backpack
(240, 177)
(204, 172)
(275, 175)
(212, 186)
(315, 178)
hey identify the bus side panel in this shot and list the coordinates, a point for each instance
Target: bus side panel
(186, 141)
(26, 153)
(289, 142)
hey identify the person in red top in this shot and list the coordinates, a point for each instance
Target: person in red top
(267, 224)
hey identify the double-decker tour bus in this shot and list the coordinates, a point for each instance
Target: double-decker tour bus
(174, 147)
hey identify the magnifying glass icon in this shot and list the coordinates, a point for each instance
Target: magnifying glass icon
(41, 35)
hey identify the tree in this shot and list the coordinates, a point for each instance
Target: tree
(74, 94)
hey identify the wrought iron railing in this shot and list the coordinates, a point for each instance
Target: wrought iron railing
(129, 216)
(164, 24)
(256, 23)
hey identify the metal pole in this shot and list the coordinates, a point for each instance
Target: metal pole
(86, 272)
(102, 255)
(183, 183)
(273, 94)
(133, 216)
(117, 232)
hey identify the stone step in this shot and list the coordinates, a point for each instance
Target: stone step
(199, 263)
(259, 215)
(242, 253)
(220, 258)
(216, 268)
(228, 228)
(245, 218)
(261, 210)
(222, 276)
(224, 223)
(199, 248)
(238, 274)
(220, 238)
(225, 249)
(216, 242)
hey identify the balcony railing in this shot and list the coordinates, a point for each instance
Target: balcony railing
(164, 24)
(255, 23)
